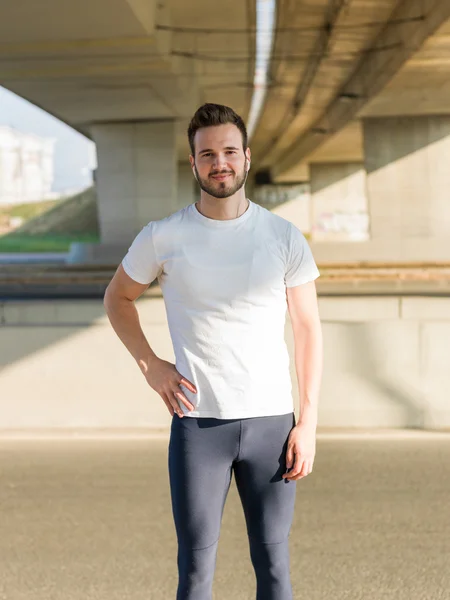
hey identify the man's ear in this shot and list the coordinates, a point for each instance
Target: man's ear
(192, 161)
(248, 156)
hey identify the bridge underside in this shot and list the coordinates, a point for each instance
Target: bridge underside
(343, 76)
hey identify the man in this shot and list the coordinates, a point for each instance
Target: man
(228, 270)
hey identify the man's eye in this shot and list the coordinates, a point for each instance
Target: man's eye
(231, 152)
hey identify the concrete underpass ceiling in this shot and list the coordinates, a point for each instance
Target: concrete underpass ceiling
(420, 87)
(118, 60)
(114, 60)
(304, 86)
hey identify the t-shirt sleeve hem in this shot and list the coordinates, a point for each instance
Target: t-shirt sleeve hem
(129, 271)
(305, 278)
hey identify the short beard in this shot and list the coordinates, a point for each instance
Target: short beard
(222, 191)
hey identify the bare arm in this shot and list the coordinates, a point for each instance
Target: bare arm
(119, 300)
(162, 376)
(307, 330)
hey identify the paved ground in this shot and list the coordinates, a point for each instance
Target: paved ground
(91, 520)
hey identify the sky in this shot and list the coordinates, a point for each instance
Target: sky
(74, 153)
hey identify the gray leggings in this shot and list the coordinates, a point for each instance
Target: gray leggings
(203, 453)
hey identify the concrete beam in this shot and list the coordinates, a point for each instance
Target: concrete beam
(61, 46)
(81, 70)
(145, 11)
(322, 45)
(375, 69)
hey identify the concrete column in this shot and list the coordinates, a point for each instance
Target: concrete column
(136, 183)
(408, 187)
(338, 202)
(187, 186)
(408, 180)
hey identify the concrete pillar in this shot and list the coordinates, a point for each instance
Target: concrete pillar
(136, 183)
(187, 185)
(408, 188)
(408, 181)
(338, 202)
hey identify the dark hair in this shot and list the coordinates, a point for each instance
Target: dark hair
(210, 115)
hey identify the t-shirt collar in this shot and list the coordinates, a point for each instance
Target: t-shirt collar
(222, 223)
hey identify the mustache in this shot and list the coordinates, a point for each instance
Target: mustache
(213, 173)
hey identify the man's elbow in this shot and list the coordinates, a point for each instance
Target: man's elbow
(114, 297)
(108, 297)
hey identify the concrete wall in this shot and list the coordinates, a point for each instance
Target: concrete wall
(408, 186)
(339, 202)
(386, 365)
(408, 179)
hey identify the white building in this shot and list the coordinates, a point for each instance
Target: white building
(26, 166)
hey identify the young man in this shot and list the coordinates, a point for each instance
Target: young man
(228, 270)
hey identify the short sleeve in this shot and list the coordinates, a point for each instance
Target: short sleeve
(301, 267)
(141, 262)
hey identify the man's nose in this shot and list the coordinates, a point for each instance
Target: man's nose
(220, 161)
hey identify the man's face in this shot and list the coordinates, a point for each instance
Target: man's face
(220, 164)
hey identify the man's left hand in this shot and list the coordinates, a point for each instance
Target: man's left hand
(301, 451)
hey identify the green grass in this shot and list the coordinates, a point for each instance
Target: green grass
(45, 243)
(29, 210)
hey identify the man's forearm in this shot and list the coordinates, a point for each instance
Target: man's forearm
(124, 319)
(308, 365)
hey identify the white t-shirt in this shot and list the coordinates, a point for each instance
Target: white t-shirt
(224, 286)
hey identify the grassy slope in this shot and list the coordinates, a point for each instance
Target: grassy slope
(52, 226)
(29, 210)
